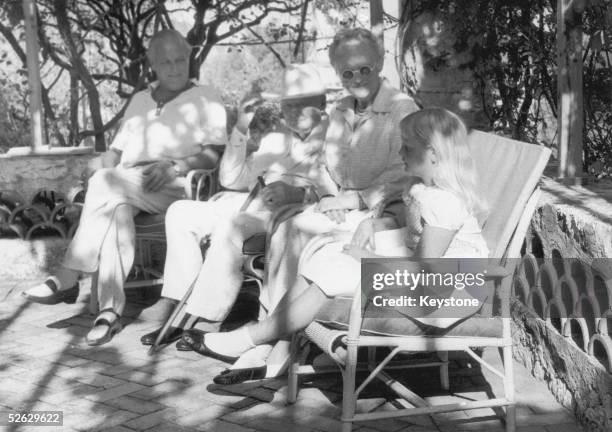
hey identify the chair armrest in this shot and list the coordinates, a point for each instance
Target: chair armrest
(196, 182)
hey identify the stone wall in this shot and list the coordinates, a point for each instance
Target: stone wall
(564, 297)
(41, 195)
(28, 175)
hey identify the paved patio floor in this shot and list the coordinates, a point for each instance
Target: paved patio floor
(46, 365)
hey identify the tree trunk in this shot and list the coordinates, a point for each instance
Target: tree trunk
(570, 93)
(82, 72)
(74, 109)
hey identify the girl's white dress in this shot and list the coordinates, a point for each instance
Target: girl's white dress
(338, 274)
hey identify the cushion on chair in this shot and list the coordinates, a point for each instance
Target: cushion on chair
(335, 314)
(255, 245)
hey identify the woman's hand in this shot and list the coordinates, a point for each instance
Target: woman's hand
(340, 202)
(357, 252)
(364, 234)
(157, 175)
(334, 208)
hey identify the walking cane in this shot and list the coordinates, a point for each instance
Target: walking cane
(179, 307)
(177, 310)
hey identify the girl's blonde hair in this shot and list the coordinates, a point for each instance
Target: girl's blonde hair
(446, 134)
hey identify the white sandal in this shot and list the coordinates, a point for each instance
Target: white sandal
(113, 326)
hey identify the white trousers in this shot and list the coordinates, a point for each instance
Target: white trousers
(217, 278)
(287, 244)
(105, 238)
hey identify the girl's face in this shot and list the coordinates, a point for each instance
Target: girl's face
(418, 161)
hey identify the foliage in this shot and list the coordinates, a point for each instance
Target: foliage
(96, 48)
(597, 63)
(511, 48)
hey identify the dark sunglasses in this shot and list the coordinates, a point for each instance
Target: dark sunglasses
(350, 74)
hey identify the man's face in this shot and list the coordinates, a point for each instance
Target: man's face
(358, 66)
(302, 114)
(171, 66)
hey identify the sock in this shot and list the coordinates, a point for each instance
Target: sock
(233, 344)
(255, 357)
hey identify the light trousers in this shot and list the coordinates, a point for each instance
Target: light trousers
(105, 238)
(217, 278)
(286, 247)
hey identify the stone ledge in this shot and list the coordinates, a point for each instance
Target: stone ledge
(28, 175)
(46, 151)
(576, 220)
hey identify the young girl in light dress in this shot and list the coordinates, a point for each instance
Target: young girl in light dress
(439, 219)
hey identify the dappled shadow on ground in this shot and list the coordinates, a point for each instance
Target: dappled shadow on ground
(46, 365)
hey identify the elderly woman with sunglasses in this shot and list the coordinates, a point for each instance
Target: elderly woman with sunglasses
(361, 154)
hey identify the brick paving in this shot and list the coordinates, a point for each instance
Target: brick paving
(46, 365)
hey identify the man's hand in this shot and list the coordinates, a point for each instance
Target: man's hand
(157, 175)
(364, 234)
(279, 193)
(246, 111)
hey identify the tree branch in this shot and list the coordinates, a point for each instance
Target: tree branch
(267, 45)
(81, 70)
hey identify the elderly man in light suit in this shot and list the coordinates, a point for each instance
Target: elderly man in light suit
(289, 162)
(171, 127)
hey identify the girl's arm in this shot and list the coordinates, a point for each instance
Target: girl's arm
(434, 241)
(364, 234)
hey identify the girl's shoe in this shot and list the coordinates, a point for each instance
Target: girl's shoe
(57, 295)
(237, 376)
(105, 326)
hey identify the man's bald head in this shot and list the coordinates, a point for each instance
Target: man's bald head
(166, 38)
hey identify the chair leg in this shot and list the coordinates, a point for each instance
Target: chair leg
(293, 385)
(444, 381)
(93, 296)
(349, 398)
(509, 389)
